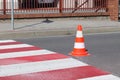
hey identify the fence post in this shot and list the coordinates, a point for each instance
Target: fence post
(61, 6)
(4, 7)
(20, 4)
(76, 3)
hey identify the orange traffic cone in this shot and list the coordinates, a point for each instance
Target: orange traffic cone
(79, 47)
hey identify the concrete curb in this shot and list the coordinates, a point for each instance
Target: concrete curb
(57, 32)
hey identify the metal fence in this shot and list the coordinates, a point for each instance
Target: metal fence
(53, 8)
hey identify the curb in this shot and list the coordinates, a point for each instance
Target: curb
(57, 32)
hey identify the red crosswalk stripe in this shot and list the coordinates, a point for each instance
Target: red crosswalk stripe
(20, 61)
(31, 59)
(61, 74)
(19, 49)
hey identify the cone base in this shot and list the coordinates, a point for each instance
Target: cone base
(78, 54)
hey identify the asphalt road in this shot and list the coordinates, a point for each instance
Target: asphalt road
(104, 49)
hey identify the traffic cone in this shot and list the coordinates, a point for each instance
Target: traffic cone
(79, 46)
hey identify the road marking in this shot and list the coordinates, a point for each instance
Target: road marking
(25, 53)
(20, 49)
(103, 77)
(9, 43)
(15, 46)
(73, 73)
(35, 58)
(102, 33)
(27, 62)
(32, 67)
(5, 41)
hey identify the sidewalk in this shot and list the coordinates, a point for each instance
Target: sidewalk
(26, 28)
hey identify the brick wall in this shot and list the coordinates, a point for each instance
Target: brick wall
(113, 9)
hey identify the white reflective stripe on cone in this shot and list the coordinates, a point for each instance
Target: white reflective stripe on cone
(79, 45)
(79, 34)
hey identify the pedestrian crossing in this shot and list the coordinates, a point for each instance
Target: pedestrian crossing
(20, 61)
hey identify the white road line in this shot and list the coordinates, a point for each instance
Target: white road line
(103, 77)
(102, 33)
(14, 46)
(5, 41)
(32, 67)
(25, 53)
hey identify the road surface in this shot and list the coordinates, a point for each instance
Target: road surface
(104, 49)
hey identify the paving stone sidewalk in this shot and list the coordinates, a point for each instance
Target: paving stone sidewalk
(26, 28)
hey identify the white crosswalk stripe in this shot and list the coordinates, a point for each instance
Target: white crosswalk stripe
(103, 77)
(32, 67)
(5, 41)
(14, 46)
(25, 53)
